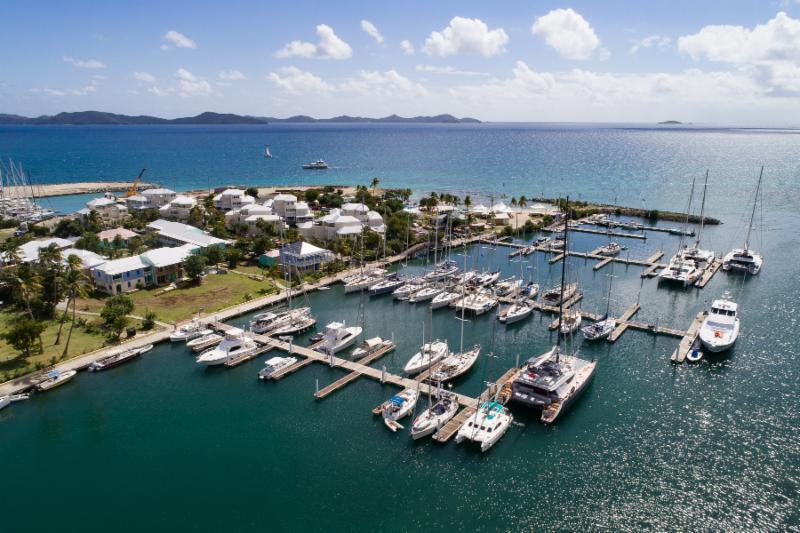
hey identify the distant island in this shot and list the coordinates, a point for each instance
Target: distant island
(670, 122)
(103, 118)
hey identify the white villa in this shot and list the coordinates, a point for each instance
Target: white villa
(111, 212)
(250, 215)
(372, 219)
(290, 210)
(178, 208)
(177, 234)
(231, 199)
(303, 257)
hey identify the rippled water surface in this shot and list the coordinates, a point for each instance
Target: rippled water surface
(650, 445)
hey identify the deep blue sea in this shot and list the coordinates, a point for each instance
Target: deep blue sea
(164, 444)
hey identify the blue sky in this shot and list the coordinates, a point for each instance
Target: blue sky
(714, 61)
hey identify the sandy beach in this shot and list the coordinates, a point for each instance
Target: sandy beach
(62, 189)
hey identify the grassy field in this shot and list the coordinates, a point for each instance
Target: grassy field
(217, 291)
(13, 363)
(5, 233)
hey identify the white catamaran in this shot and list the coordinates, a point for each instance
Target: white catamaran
(745, 259)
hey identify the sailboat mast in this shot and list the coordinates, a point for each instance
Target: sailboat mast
(688, 215)
(702, 212)
(608, 297)
(753, 213)
(563, 276)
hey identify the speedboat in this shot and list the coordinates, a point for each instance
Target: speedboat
(385, 286)
(397, 407)
(515, 312)
(600, 329)
(553, 296)
(319, 164)
(680, 270)
(235, 344)
(570, 322)
(208, 339)
(443, 270)
(436, 416)
(551, 382)
(428, 355)
(55, 378)
(443, 299)
(455, 365)
(188, 331)
(275, 364)
(117, 359)
(486, 425)
(369, 347)
(337, 337)
(743, 260)
(721, 327)
(423, 295)
(507, 286)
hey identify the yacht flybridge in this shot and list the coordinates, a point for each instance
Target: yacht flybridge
(720, 328)
(235, 344)
(337, 337)
(744, 259)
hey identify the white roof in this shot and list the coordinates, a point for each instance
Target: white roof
(119, 266)
(303, 248)
(499, 207)
(349, 230)
(161, 257)
(136, 198)
(355, 207)
(268, 203)
(232, 192)
(444, 208)
(301, 205)
(255, 209)
(501, 216)
(479, 209)
(374, 215)
(285, 198)
(184, 233)
(157, 191)
(99, 202)
(182, 199)
(88, 259)
(267, 217)
(29, 251)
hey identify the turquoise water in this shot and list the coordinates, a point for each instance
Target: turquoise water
(650, 445)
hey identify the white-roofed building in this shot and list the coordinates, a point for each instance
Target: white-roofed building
(303, 257)
(137, 202)
(88, 259)
(178, 208)
(177, 234)
(29, 252)
(120, 275)
(290, 210)
(166, 264)
(332, 226)
(369, 218)
(230, 199)
(250, 215)
(158, 197)
(109, 211)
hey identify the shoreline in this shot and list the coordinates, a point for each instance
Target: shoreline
(69, 189)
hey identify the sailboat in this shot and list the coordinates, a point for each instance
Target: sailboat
(681, 269)
(694, 253)
(436, 416)
(744, 259)
(486, 425)
(267, 153)
(603, 327)
(397, 407)
(551, 382)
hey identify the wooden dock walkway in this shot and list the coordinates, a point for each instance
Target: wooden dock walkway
(622, 323)
(601, 264)
(708, 273)
(680, 353)
(352, 376)
(236, 361)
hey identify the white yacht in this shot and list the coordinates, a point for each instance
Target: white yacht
(478, 302)
(369, 347)
(487, 278)
(337, 337)
(443, 299)
(404, 292)
(745, 259)
(274, 364)
(297, 324)
(423, 295)
(436, 416)
(266, 323)
(680, 270)
(486, 425)
(721, 327)
(235, 344)
(5, 401)
(189, 331)
(429, 354)
(455, 365)
(55, 378)
(443, 270)
(209, 339)
(397, 407)
(530, 290)
(570, 321)
(609, 250)
(362, 282)
(507, 286)
(515, 312)
(385, 286)
(600, 329)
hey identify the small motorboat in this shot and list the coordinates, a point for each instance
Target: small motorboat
(319, 164)
(486, 425)
(55, 379)
(110, 361)
(188, 331)
(275, 364)
(397, 407)
(369, 347)
(428, 355)
(5, 401)
(610, 250)
(436, 416)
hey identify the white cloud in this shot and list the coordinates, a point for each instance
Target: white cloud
(466, 36)
(158, 92)
(298, 82)
(777, 40)
(651, 41)
(190, 85)
(567, 32)
(372, 31)
(232, 75)
(92, 64)
(408, 48)
(329, 46)
(384, 85)
(81, 91)
(178, 40)
(448, 70)
(144, 76)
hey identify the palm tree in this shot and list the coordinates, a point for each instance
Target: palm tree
(73, 263)
(513, 201)
(467, 202)
(27, 283)
(523, 201)
(375, 183)
(50, 261)
(77, 285)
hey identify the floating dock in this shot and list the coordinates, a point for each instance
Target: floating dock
(352, 376)
(622, 322)
(688, 340)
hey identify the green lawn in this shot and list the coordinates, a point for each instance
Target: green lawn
(217, 291)
(12, 363)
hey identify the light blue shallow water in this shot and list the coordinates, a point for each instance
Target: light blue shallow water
(649, 446)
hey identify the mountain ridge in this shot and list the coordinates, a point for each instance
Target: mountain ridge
(209, 118)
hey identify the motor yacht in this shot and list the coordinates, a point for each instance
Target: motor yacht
(274, 364)
(337, 337)
(720, 328)
(235, 344)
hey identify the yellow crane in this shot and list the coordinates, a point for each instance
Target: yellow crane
(134, 187)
